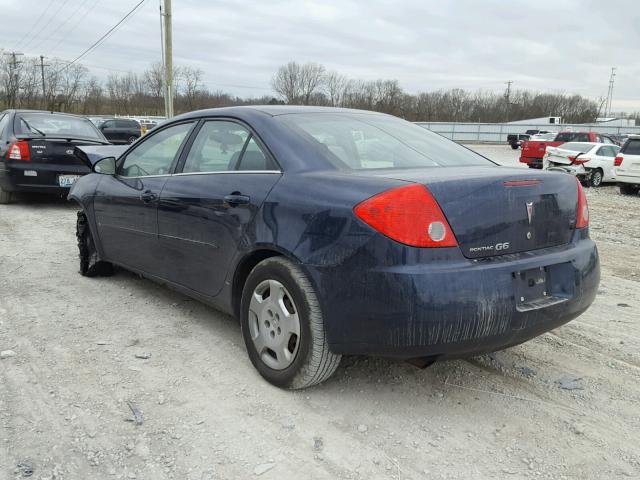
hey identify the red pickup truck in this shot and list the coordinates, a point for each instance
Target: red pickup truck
(533, 150)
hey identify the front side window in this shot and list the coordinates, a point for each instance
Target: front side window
(364, 141)
(217, 147)
(155, 154)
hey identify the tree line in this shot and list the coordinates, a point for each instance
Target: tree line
(71, 88)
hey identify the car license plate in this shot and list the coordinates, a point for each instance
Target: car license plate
(67, 180)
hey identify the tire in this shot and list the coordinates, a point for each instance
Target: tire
(307, 360)
(515, 146)
(131, 139)
(90, 265)
(626, 189)
(5, 197)
(595, 180)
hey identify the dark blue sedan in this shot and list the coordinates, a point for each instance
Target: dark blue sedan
(331, 232)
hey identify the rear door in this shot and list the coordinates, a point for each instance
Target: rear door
(126, 204)
(206, 211)
(603, 158)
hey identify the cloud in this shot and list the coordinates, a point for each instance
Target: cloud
(553, 46)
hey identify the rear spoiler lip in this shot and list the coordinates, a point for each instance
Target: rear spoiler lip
(90, 154)
(61, 137)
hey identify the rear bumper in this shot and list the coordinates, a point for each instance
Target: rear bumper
(633, 180)
(452, 307)
(14, 179)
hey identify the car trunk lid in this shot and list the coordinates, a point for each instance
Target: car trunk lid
(59, 151)
(496, 210)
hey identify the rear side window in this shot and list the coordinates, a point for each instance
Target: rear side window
(632, 147)
(217, 147)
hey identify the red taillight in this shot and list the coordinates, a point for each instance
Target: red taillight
(618, 161)
(408, 215)
(582, 219)
(19, 151)
(579, 160)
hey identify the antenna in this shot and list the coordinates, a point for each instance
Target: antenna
(607, 109)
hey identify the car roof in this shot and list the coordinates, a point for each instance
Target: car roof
(270, 110)
(45, 112)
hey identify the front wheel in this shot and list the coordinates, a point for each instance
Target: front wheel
(283, 327)
(596, 178)
(514, 146)
(90, 265)
(5, 197)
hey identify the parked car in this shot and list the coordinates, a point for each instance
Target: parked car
(545, 137)
(121, 130)
(627, 165)
(321, 249)
(592, 163)
(37, 151)
(533, 150)
(516, 139)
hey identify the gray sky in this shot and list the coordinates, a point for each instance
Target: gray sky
(545, 45)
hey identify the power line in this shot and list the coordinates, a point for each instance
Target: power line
(53, 16)
(57, 29)
(73, 27)
(28, 32)
(106, 35)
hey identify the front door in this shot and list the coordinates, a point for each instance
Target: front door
(126, 204)
(205, 210)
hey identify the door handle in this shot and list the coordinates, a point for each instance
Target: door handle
(236, 199)
(148, 196)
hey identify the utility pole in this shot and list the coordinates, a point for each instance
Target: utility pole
(507, 96)
(13, 79)
(44, 91)
(168, 61)
(607, 110)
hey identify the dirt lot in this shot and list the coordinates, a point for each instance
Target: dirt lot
(565, 405)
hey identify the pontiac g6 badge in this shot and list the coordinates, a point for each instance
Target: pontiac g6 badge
(530, 211)
(529, 216)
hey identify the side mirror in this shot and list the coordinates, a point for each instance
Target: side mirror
(105, 166)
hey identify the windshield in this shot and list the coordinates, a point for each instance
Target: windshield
(576, 147)
(53, 125)
(363, 141)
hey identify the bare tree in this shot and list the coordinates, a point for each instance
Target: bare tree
(297, 83)
(192, 84)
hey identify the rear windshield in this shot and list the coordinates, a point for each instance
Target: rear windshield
(362, 141)
(631, 147)
(48, 124)
(576, 147)
(572, 137)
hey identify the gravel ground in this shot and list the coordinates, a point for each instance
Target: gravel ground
(565, 405)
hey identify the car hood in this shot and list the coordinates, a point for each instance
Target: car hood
(90, 154)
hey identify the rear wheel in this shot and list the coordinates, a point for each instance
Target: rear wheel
(596, 178)
(626, 189)
(131, 139)
(90, 265)
(283, 328)
(5, 197)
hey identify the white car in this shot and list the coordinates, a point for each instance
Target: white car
(545, 137)
(592, 163)
(627, 165)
